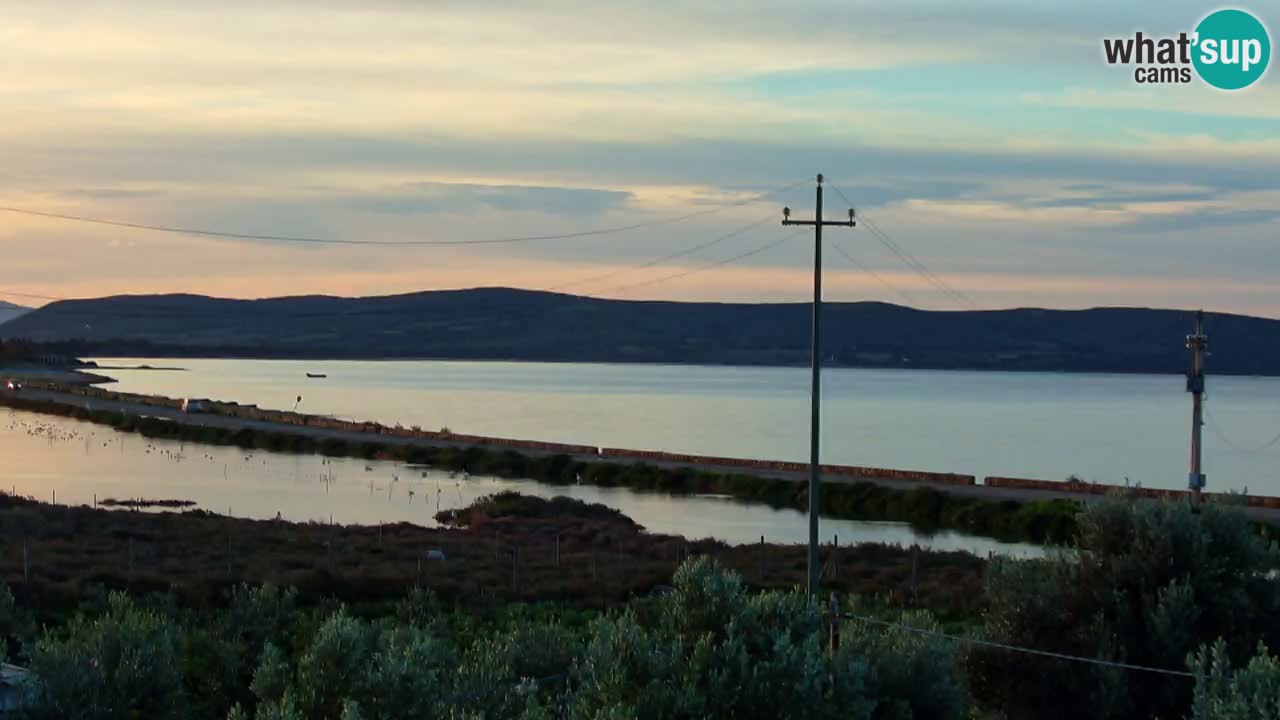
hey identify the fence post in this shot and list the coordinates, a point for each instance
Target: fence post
(557, 549)
(515, 569)
(915, 555)
(26, 564)
(760, 560)
(835, 558)
(835, 623)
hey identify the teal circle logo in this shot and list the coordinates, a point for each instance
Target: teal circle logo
(1232, 49)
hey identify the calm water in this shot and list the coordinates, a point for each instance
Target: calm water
(1099, 427)
(48, 456)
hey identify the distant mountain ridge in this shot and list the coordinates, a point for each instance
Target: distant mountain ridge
(509, 324)
(9, 311)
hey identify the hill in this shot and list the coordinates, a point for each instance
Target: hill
(9, 311)
(507, 324)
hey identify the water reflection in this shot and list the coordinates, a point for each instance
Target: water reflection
(76, 462)
(980, 423)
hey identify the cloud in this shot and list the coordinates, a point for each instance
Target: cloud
(397, 120)
(111, 193)
(431, 197)
(1110, 202)
(1208, 219)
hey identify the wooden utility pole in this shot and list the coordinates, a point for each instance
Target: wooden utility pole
(815, 387)
(1196, 343)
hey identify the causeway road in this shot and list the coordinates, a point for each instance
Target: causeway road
(1268, 515)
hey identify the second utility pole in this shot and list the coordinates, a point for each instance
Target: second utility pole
(1195, 385)
(815, 389)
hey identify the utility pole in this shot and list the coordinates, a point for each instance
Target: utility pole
(815, 383)
(1195, 385)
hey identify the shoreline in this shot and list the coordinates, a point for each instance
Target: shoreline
(925, 506)
(72, 376)
(144, 368)
(657, 363)
(1008, 509)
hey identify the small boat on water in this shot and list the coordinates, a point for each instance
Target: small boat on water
(316, 375)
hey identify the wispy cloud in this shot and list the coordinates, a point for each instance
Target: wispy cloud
(431, 197)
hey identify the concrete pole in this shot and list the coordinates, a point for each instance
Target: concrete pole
(815, 381)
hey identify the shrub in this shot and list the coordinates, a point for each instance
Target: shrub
(122, 664)
(717, 652)
(912, 674)
(17, 627)
(1250, 693)
(384, 672)
(257, 614)
(1147, 584)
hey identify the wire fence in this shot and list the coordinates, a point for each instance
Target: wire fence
(1015, 648)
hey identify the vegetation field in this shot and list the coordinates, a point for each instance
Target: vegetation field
(505, 548)
(1158, 610)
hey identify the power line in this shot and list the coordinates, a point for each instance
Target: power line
(910, 260)
(1016, 648)
(176, 314)
(664, 258)
(32, 296)
(203, 232)
(915, 264)
(585, 280)
(866, 269)
(700, 268)
(1218, 430)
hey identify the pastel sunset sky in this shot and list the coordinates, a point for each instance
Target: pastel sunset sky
(990, 139)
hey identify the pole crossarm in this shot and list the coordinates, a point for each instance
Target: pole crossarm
(840, 223)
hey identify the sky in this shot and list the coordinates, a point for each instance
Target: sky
(988, 139)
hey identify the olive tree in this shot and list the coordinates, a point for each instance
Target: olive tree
(377, 671)
(717, 651)
(124, 663)
(1146, 583)
(1251, 692)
